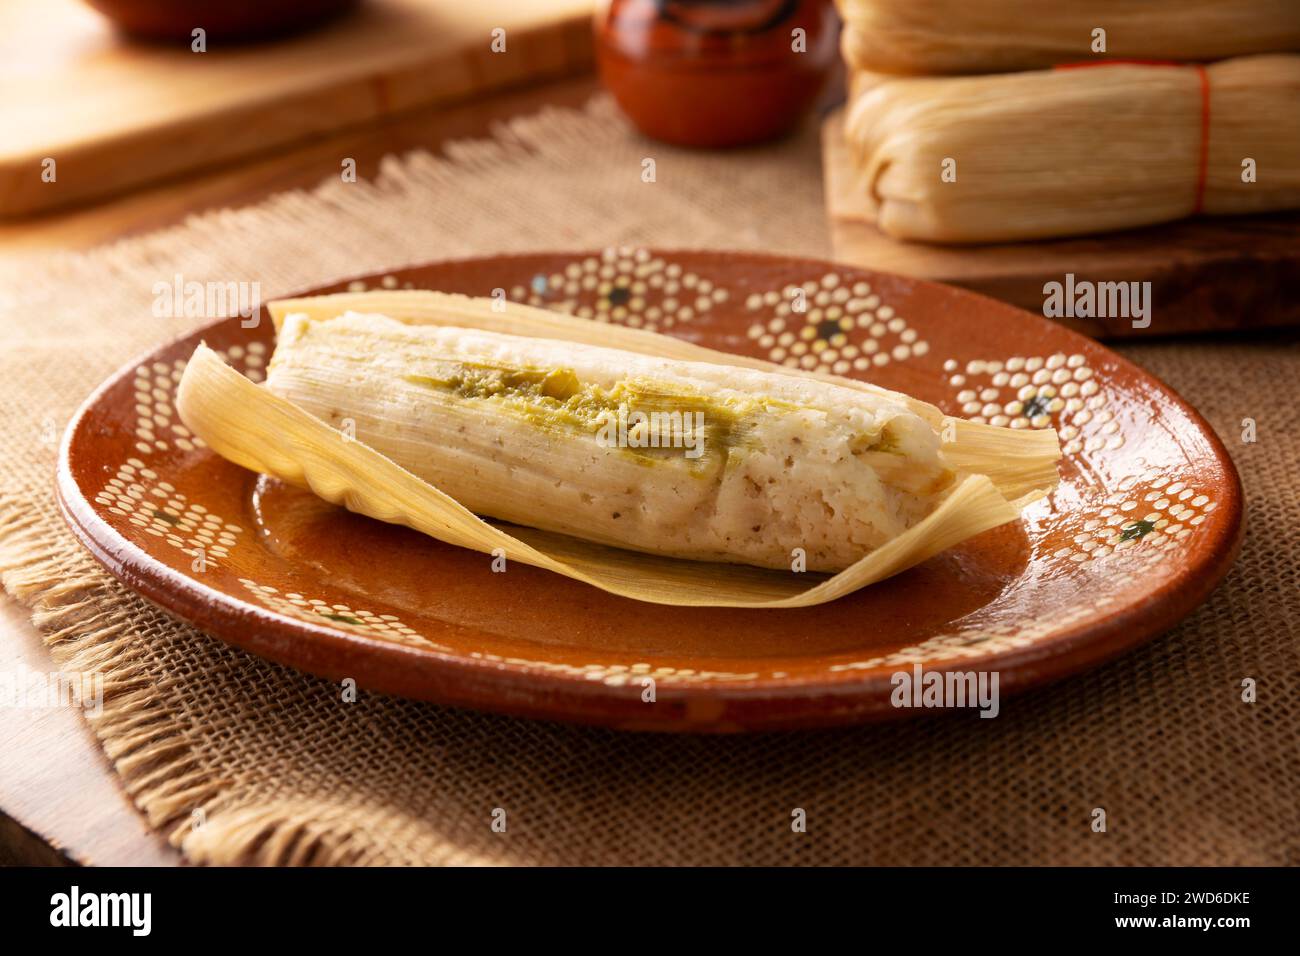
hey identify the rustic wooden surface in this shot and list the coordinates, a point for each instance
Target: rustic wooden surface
(1206, 274)
(60, 801)
(114, 113)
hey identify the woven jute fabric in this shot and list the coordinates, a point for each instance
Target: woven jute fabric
(1186, 771)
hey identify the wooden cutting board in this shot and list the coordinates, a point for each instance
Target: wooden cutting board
(1205, 274)
(114, 113)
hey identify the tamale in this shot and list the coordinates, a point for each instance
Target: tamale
(689, 460)
(997, 36)
(435, 424)
(1074, 151)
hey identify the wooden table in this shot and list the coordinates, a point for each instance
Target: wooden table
(60, 801)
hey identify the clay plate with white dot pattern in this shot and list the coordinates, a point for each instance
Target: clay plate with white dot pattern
(1145, 522)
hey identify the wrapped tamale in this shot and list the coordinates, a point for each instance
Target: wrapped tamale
(996, 36)
(689, 460)
(1073, 151)
(433, 424)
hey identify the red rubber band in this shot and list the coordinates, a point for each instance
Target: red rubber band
(1203, 159)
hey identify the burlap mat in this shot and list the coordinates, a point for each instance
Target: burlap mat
(1187, 773)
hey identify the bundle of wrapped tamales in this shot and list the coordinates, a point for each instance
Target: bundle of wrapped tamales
(1068, 152)
(1083, 147)
(617, 457)
(936, 37)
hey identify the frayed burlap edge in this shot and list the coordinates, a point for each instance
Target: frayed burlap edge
(86, 620)
(86, 624)
(90, 623)
(144, 743)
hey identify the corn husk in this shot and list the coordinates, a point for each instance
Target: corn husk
(259, 430)
(1000, 36)
(1070, 152)
(1018, 462)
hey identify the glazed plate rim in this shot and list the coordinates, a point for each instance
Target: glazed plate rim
(478, 682)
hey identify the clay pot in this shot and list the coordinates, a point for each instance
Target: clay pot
(716, 72)
(226, 20)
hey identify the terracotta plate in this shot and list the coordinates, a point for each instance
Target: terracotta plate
(1145, 522)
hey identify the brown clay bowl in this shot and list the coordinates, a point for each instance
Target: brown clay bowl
(715, 74)
(228, 20)
(1145, 522)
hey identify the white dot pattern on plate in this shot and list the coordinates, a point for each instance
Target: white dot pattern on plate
(1036, 392)
(1145, 518)
(981, 641)
(157, 426)
(388, 627)
(619, 675)
(833, 324)
(625, 285)
(384, 282)
(139, 495)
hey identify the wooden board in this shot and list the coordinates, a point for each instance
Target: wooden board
(60, 801)
(1205, 274)
(114, 113)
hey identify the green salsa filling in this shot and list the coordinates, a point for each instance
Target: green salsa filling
(556, 399)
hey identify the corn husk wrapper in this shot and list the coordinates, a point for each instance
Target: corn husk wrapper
(256, 429)
(1001, 36)
(1070, 152)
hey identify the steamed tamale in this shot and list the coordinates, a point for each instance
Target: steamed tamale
(1067, 152)
(612, 453)
(690, 460)
(997, 36)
